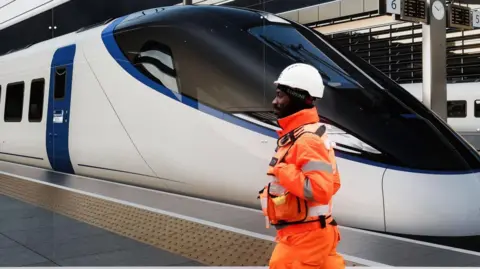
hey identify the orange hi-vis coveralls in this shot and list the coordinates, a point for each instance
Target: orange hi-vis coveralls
(298, 202)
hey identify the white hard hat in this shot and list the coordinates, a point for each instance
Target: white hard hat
(303, 77)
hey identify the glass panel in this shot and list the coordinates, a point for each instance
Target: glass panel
(37, 91)
(14, 102)
(230, 61)
(60, 80)
(457, 109)
(477, 108)
(288, 42)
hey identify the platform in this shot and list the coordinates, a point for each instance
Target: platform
(32, 236)
(190, 230)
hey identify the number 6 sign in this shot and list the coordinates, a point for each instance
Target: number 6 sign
(393, 6)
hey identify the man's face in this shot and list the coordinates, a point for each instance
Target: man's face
(280, 102)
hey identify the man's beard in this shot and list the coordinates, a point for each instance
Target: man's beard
(285, 111)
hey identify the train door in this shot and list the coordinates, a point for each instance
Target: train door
(61, 74)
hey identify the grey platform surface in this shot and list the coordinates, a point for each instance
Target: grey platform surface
(32, 236)
(356, 245)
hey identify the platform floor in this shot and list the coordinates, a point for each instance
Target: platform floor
(65, 226)
(209, 233)
(32, 236)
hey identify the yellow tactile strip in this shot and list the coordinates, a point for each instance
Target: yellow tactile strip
(205, 244)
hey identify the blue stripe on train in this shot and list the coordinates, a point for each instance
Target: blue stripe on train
(58, 132)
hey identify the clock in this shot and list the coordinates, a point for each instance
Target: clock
(438, 10)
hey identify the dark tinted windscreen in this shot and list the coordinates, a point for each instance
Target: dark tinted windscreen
(287, 41)
(230, 64)
(209, 66)
(357, 105)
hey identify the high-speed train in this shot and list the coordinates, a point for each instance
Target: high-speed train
(179, 99)
(463, 103)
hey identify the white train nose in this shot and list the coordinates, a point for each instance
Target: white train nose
(432, 204)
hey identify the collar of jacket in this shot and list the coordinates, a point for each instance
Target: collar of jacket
(302, 117)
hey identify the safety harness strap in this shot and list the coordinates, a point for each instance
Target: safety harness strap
(293, 136)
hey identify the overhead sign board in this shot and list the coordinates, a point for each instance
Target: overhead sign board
(414, 11)
(459, 17)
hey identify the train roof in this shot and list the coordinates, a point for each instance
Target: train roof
(197, 16)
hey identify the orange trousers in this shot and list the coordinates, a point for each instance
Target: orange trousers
(308, 250)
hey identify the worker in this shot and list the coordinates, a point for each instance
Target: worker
(298, 200)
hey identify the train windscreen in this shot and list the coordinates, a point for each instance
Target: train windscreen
(229, 59)
(362, 106)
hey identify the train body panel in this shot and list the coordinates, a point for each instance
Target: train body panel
(126, 121)
(360, 191)
(175, 139)
(24, 141)
(100, 146)
(459, 216)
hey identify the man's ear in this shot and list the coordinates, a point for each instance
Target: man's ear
(309, 100)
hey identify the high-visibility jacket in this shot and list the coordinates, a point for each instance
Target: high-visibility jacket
(305, 173)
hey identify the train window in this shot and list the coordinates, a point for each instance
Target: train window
(155, 60)
(60, 82)
(288, 42)
(14, 102)
(349, 143)
(262, 116)
(344, 141)
(36, 100)
(232, 68)
(477, 108)
(211, 69)
(457, 109)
